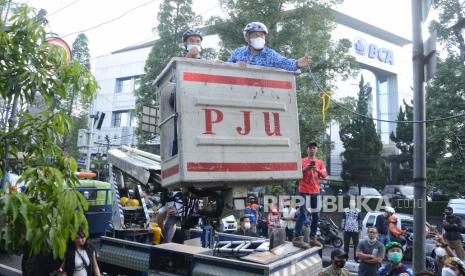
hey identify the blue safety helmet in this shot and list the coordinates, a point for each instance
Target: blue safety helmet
(255, 27)
(191, 32)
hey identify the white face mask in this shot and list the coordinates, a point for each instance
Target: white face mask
(440, 252)
(247, 225)
(447, 271)
(257, 43)
(191, 46)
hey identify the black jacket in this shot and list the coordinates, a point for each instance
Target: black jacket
(454, 228)
(382, 224)
(70, 255)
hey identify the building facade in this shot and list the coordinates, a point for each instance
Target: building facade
(386, 65)
(118, 75)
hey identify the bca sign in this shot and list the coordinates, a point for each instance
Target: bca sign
(373, 51)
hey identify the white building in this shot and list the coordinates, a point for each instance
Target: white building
(385, 59)
(118, 75)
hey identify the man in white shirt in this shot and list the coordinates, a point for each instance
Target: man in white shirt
(351, 225)
(288, 219)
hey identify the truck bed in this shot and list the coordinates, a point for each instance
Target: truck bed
(183, 259)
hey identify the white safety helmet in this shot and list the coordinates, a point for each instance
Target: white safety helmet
(389, 209)
(254, 27)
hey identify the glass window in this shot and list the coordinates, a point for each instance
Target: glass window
(123, 85)
(385, 138)
(407, 190)
(136, 83)
(383, 103)
(367, 191)
(371, 220)
(127, 84)
(124, 119)
(384, 125)
(116, 119)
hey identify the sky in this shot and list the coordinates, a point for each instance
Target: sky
(132, 22)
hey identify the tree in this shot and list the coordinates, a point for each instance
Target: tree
(306, 28)
(76, 105)
(44, 217)
(445, 96)
(362, 164)
(175, 17)
(80, 51)
(403, 138)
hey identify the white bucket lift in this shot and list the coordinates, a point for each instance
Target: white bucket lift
(222, 124)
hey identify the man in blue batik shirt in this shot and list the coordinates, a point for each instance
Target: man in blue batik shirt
(256, 53)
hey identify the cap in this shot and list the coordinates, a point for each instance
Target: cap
(312, 144)
(338, 253)
(390, 245)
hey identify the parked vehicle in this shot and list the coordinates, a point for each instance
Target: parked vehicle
(365, 192)
(396, 192)
(98, 195)
(458, 205)
(404, 221)
(228, 224)
(328, 233)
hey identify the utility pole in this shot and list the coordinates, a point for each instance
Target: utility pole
(89, 137)
(420, 59)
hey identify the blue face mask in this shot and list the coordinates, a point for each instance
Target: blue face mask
(395, 257)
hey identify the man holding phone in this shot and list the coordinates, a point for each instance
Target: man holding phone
(309, 188)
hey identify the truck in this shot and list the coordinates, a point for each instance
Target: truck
(223, 130)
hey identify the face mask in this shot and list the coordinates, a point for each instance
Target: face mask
(247, 225)
(447, 213)
(340, 264)
(395, 257)
(440, 252)
(352, 205)
(191, 46)
(372, 238)
(447, 271)
(257, 43)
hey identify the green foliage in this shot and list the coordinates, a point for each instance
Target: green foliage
(175, 17)
(305, 29)
(362, 164)
(450, 12)
(446, 97)
(80, 51)
(45, 216)
(403, 138)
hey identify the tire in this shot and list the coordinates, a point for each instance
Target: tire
(337, 242)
